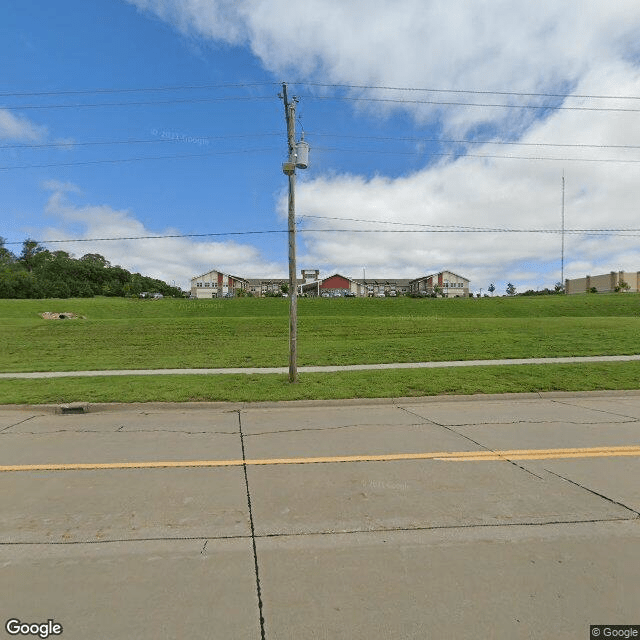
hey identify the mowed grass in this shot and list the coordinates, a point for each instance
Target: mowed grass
(141, 334)
(394, 383)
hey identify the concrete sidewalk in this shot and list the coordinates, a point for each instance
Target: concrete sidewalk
(320, 369)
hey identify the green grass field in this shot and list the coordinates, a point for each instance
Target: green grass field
(139, 334)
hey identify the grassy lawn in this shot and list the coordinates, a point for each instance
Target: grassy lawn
(139, 334)
(395, 383)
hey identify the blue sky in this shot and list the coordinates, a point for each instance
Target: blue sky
(381, 155)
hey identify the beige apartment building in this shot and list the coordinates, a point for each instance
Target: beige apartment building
(605, 283)
(215, 284)
(449, 284)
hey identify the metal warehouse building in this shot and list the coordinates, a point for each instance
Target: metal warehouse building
(605, 283)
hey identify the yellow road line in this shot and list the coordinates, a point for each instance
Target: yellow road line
(447, 456)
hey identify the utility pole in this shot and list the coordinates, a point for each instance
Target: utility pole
(298, 157)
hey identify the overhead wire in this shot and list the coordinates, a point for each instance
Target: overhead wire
(121, 160)
(466, 91)
(162, 137)
(172, 137)
(206, 86)
(548, 107)
(435, 229)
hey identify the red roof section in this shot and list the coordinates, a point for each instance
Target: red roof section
(335, 282)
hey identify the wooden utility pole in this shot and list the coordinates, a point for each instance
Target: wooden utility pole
(289, 169)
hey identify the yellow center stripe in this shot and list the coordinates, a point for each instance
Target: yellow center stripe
(447, 456)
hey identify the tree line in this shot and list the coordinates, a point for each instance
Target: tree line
(40, 273)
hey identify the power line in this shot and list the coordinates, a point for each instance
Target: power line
(467, 91)
(158, 237)
(198, 87)
(120, 160)
(163, 137)
(80, 105)
(476, 155)
(314, 97)
(172, 137)
(351, 151)
(63, 92)
(464, 229)
(590, 232)
(470, 104)
(468, 141)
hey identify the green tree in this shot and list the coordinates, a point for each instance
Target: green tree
(6, 257)
(622, 286)
(491, 288)
(30, 249)
(511, 290)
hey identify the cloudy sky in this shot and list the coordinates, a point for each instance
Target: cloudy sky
(439, 132)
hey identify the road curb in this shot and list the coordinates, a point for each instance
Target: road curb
(144, 407)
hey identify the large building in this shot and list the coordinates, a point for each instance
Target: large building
(445, 283)
(605, 283)
(215, 284)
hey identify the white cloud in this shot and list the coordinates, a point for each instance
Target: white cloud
(495, 193)
(169, 259)
(536, 47)
(585, 48)
(19, 129)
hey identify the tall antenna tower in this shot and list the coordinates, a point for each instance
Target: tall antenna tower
(562, 252)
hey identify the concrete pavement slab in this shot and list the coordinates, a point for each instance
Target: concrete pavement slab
(525, 435)
(615, 478)
(413, 494)
(294, 418)
(116, 446)
(9, 419)
(198, 421)
(514, 582)
(120, 591)
(626, 407)
(132, 504)
(372, 439)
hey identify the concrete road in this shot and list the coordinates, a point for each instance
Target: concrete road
(494, 517)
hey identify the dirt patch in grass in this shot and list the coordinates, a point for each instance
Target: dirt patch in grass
(60, 315)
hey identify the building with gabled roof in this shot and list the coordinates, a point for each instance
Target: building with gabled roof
(216, 284)
(444, 283)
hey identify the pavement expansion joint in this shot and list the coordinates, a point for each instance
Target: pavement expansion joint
(326, 532)
(605, 411)
(253, 531)
(478, 444)
(443, 527)
(5, 429)
(595, 493)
